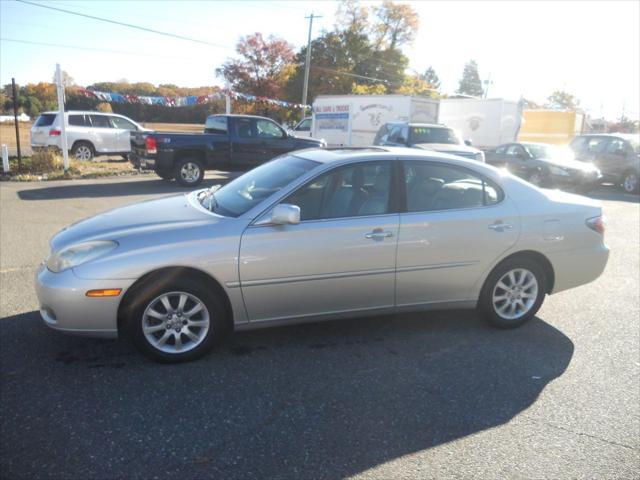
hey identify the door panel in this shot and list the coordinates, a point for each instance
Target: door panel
(104, 137)
(318, 267)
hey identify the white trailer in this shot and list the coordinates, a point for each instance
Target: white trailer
(354, 120)
(487, 123)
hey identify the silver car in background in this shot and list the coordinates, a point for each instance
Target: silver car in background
(315, 235)
(88, 133)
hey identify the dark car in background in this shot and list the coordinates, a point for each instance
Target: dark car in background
(545, 165)
(426, 136)
(229, 142)
(616, 155)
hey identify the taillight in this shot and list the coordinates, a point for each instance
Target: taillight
(54, 132)
(150, 145)
(596, 224)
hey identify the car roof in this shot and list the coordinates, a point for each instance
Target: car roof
(612, 135)
(353, 154)
(239, 115)
(415, 124)
(82, 112)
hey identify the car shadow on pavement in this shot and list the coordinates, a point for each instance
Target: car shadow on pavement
(116, 188)
(324, 400)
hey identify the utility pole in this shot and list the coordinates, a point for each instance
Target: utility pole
(63, 121)
(15, 121)
(307, 64)
(487, 83)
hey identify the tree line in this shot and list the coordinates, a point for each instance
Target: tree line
(361, 54)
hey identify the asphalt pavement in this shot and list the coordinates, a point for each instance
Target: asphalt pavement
(427, 395)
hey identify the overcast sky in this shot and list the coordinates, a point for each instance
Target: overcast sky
(591, 49)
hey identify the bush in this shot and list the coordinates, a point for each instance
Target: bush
(46, 160)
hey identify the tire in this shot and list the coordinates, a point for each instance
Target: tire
(125, 157)
(520, 304)
(155, 329)
(164, 174)
(188, 172)
(83, 151)
(630, 182)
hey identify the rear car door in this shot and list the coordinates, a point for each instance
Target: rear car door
(456, 223)
(78, 128)
(123, 129)
(613, 160)
(339, 258)
(103, 135)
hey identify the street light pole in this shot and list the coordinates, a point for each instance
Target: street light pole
(307, 63)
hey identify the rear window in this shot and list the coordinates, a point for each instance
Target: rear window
(217, 125)
(45, 120)
(100, 121)
(434, 135)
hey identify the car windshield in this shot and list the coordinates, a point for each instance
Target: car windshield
(246, 191)
(434, 135)
(550, 152)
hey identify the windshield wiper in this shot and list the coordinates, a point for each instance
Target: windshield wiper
(208, 199)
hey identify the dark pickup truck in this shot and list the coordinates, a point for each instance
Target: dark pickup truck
(229, 142)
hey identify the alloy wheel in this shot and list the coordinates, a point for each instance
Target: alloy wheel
(83, 153)
(175, 322)
(630, 183)
(190, 172)
(515, 294)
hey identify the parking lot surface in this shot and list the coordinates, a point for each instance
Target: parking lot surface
(423, 395)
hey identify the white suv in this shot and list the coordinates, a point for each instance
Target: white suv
(88, 133)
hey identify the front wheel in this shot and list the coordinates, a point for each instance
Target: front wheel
(536, 179)
(177, 322)
(189, 172)
(513, 293)
(630, 182)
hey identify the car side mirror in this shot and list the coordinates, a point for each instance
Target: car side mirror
(468, 143)
(285, 214)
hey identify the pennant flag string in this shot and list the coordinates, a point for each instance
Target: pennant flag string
(185, 101)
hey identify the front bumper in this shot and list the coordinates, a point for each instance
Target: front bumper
(64, 305)
(586, 179)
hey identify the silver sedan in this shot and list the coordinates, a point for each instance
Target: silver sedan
(316, 235)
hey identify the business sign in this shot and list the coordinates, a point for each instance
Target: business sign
(332, 117)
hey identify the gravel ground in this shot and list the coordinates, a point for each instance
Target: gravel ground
(406, 396)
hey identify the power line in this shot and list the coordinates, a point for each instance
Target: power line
(388, 82)
(124, 24)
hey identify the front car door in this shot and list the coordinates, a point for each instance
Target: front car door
(456, 224)
(103, 135)
(339, 258)
(246, 147)
(273, 139)
(123, 129)
(516, 160)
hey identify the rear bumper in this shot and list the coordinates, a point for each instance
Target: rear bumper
(578, 267)
(64, 305)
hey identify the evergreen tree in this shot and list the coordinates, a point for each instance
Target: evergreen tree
(431, 78)
(470, 83)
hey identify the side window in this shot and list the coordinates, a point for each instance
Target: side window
(597, 144)
(362, 189)
(432, 186)
(267, 129)
(617, 146)
(304, 126)
(501, 149)
(515, 151)
(78, 121)
(243, 128)
(395, 134)
(216, 125)
(122, 123)
(100, 121)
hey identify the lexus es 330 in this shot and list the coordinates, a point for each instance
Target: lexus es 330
(320, 234)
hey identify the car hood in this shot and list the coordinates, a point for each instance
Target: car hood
(447, 148)
(152, 216)
(306, 141)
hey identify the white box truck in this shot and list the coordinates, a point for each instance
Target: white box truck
(486, 122)
(354, 120)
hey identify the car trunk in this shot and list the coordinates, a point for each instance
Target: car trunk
(40, 129)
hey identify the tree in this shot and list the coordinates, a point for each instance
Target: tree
(416, 85)
(397, 25)
(470, 83)
(561, 100)
(431, 78)
(67, 80)
(259, 70)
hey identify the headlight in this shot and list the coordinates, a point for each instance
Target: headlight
(78, 254)
(559, 171)
(479, 156)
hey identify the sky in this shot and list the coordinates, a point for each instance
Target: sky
(589, 48)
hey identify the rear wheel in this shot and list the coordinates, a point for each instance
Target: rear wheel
(630, 181)
(176, 322)
(83, 151)
(189, 172)
(513, 293)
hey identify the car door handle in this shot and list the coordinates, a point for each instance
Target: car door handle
(500, 226)
(378, 234)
